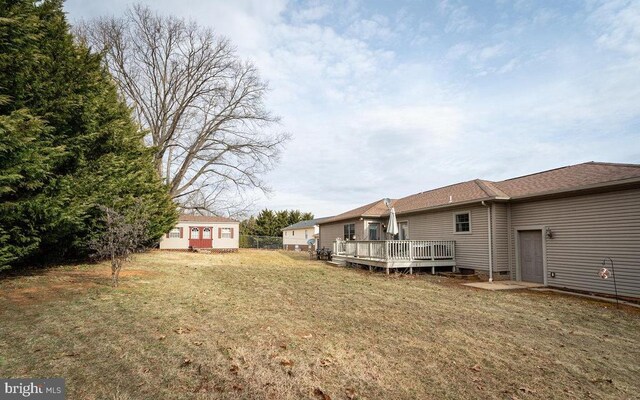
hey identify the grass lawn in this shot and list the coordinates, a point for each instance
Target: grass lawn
(274, 325)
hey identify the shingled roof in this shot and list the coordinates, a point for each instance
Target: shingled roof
(565, 179)
(569, 178)
(464, 192)
(203, 218)
(305, 224)
(372, 210)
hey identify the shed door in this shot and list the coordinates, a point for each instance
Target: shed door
(530, 247)
(194, 237)
(207, 241)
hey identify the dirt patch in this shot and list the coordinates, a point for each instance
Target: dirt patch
(60, 284)
(106, 272)
(45, 293)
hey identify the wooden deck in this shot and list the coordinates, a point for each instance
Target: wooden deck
(396, 254)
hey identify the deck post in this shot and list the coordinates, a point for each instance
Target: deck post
(433, 270)
(370, 249)
(387, 270)
(410, 270)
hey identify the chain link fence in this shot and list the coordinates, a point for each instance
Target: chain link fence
(260, 242)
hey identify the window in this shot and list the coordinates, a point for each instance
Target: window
(206, 233)
(374, 231)
(174, 233)
(195, 233)
(403, 230)
(462, 222)
(225, 233)
(349, 231)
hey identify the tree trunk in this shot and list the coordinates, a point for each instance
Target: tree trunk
(116, 266)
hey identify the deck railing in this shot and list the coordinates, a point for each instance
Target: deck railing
(397, 250)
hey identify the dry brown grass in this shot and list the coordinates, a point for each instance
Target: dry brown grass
(273, 325)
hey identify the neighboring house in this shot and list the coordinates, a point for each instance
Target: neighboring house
(554, 227)
(202, 232)
(297, 236)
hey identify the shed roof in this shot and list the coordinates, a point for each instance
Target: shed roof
(204, 218)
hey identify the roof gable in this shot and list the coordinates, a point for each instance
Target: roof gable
(375, 210)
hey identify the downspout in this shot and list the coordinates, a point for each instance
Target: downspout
(490, 233)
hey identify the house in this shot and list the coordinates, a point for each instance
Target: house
(554, 228)
(202, 232)
(297, 236)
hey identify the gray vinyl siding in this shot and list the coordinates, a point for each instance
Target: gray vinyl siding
(586, 229)
(472, 250)
(329, 232)
(500, 237)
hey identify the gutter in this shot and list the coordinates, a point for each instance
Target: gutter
(490, 233)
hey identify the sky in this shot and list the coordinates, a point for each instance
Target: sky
(390, 98)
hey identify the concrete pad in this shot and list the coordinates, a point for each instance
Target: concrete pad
(504, 285)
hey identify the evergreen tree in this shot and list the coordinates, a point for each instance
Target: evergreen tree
(67, 141)
(266, 223)
(248, 227)
(293, 216)
(271, 223)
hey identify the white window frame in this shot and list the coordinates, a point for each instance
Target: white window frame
(174, 233)
(399, 230)
(225, 233)
(379, 230)
(455, 225)
(352, 237)
(207, 229)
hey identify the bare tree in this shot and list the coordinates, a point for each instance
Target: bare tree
(201, 104)
(120, 239)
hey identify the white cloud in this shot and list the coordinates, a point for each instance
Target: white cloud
(430, 125)
(376, 27)
(458, 18)
(618, 24)
(312, 13)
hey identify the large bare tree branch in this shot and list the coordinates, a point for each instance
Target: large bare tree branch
(203, 107)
